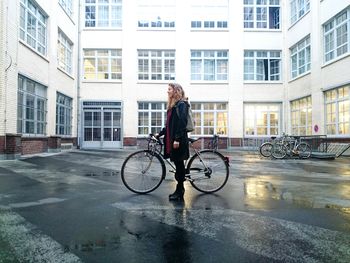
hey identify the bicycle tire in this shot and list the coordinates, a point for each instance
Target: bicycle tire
(143, 171)
(265, 149)
(279, 151)
(304, 150)
(215, 179)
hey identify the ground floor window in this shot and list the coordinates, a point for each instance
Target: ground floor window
(151, 117)
(63, 114)
(301, 116)
(337, 109)
(31, 107)
(262, 119)
(210, 118)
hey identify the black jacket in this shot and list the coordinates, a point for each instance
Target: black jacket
(177, 126)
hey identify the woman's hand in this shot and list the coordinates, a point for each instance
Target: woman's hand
(176, 144)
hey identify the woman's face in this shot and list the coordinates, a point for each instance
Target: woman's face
(170, 91)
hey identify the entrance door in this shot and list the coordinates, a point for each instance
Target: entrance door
(101, 126)
(111, 129)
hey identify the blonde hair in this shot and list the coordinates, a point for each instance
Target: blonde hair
(178, 94)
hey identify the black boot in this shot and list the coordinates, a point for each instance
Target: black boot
(178, 194)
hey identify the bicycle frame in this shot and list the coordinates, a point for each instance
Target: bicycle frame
(152, 146)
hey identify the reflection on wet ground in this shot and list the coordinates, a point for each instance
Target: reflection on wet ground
(304, 203)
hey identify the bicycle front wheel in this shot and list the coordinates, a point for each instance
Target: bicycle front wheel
(208, 171)
(266, 149)
(143, 171)
(304, 150)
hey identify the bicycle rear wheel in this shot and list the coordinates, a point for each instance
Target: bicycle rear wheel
(143, 171)
(209, 172)
(266, 149)
(304, 150)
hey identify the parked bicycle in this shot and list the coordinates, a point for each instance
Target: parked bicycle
(143, 171)
(265, 149)
(291, 145)
(214, 143)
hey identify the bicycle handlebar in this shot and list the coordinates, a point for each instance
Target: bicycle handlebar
(152, 137)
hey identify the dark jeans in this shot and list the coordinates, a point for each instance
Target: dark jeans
(180, 171)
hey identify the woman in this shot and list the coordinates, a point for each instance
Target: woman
(175, 136)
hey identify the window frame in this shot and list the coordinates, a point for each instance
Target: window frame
(255, 6)
(298, 106)
(30, 12)
(254, 121)
(64, 103)
(296, 6)
(332, 32)
(151, 65)
(336, 100)
(96, 10)
(202, 61)
(66, 44)
(270, 58)
(166, 9)
(67, 6)
(117, 58)
(148, 127)
(201, 110)
(207, 17)
(301, 47)
(31, 107)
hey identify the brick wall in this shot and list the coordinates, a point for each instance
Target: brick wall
(129, 141)
(34, 145)
(2, 144)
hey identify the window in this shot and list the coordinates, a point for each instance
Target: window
(103, 64)
(298, 8)
(104, 13)
(151, 117)
(63, 114)
(262, 14)
(64, 50)
(300, 56)
(262, 65)
(32, 27)
(31, 108)
(156, 64)
(262, 119)
(210, 118)
(209, 14)
(209, 65)
(67, 6)
(301, 116)
(338, 111)
(336, 36)
(156, 14)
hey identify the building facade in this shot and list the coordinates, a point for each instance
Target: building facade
(39, 42)
(100, 69)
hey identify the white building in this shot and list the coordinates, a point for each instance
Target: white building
(251, 68)
(39, 49)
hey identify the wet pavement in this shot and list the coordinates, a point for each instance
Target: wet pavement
(73, 207)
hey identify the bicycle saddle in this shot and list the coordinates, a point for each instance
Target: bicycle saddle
(192, 140)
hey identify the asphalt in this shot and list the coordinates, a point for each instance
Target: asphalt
(73, 207)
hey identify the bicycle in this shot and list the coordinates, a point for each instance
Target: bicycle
(265, 148)
(291, 146)
(143, 171)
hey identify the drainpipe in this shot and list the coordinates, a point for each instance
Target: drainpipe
(6, 72)
(78, 77)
